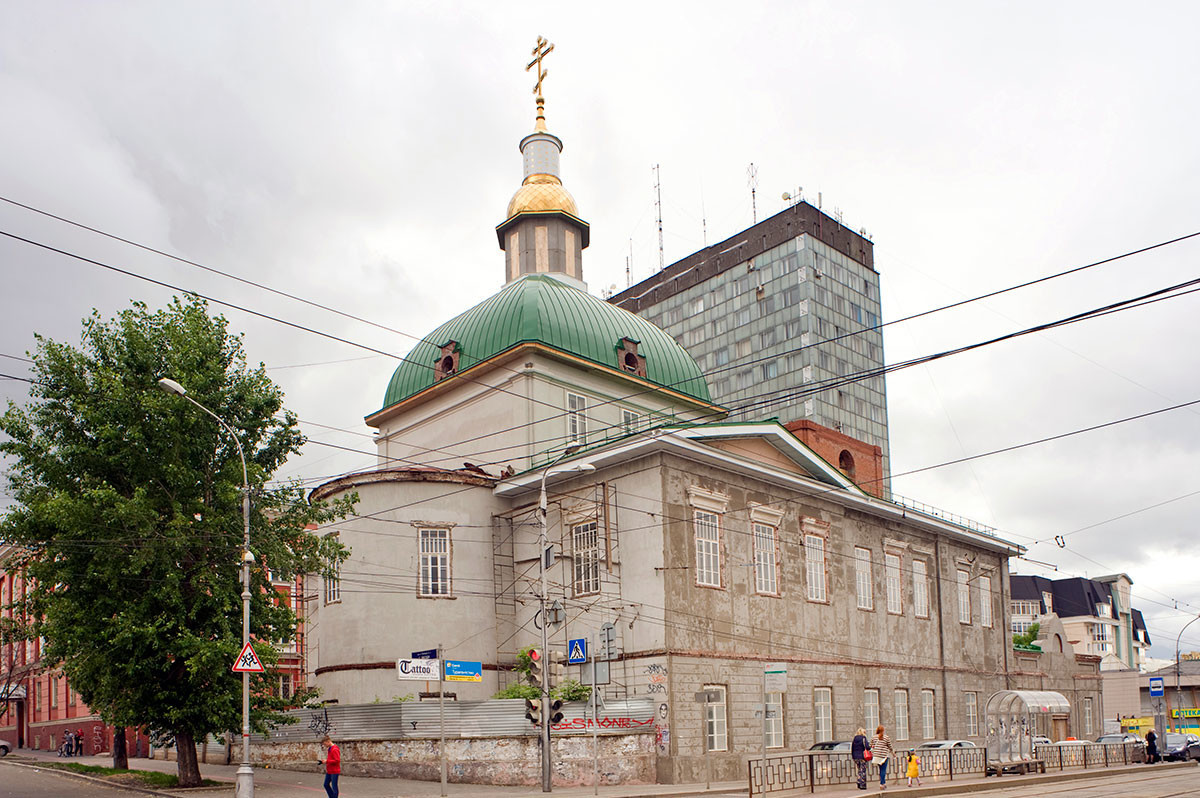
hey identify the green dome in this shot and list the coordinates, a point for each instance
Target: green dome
(541, 309)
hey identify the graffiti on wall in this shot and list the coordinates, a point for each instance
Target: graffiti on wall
(319, 723)
(656, 678)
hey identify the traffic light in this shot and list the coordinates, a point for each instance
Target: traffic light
(533, 710)
(560, 666)
(537, 669)
(556, 714)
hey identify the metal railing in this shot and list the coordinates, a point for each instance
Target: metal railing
(1090, 755)
(944, 515)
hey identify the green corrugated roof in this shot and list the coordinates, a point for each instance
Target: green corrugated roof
(540, 309)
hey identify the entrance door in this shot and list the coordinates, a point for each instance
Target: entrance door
(1060, 728)
(20, 724)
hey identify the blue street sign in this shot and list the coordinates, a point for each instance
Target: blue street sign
(429, 653)
(577, 651)
(1156, 687)
(457, 671)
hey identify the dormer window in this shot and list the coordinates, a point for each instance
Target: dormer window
(846, 463)
(447, 363)
(628, 359)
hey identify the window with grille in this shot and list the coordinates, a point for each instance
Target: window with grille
(774, 721)
(920, 589)
(862, 578)
(435, 562)
(871, 709)
(765, 580)
(964, 597)
(814, 554)
(708, 548)
(891, 570)
(900, 698)
(715, 725)
(972, 700)
(586, 547)
(985, 601)
(928, 727)
(576, 418)
(822, 714)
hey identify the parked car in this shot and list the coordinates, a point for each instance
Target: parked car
(831, 745)
(5, 747)
(1073, 742)
(1180, 746)
(948, 744)
(1041, 739)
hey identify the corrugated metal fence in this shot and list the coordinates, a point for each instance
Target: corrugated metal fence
(491, 718)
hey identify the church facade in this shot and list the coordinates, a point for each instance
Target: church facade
(714, 548)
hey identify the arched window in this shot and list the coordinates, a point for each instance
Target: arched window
(628, 359)
(846, 463)
(447, 362)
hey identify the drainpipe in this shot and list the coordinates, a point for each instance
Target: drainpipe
(937, 569)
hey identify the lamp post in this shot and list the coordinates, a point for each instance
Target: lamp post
(244, 785)
(544, 540)
(1178, 691)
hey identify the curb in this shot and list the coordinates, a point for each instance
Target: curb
(105, 782)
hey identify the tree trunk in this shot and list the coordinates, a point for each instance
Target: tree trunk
(120, 753)
(185, 755)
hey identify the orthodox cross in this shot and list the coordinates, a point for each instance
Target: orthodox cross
(540, 51)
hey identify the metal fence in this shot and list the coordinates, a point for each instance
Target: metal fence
(491, 718)
(811, 769)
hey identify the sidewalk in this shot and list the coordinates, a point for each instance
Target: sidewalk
(275, 783)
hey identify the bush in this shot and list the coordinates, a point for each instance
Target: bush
(519, 690)
(572, 690)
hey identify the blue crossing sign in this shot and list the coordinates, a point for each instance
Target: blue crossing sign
(577, 651)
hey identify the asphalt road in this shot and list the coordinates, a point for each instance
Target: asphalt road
(18, 782)
(1147, 783)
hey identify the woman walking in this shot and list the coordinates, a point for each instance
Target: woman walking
(881, 753)
(858, 753)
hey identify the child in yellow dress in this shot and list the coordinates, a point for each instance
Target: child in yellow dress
(914, 767)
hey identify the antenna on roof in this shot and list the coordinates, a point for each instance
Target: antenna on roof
(703, 217)
(658, 210)
(752, 179)
(629, 265)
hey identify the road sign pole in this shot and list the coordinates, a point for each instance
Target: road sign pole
(442, 712)
(763, 765)
(595, 727)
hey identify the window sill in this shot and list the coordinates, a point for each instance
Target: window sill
(436, 596)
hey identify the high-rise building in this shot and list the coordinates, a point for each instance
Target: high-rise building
(783, 319)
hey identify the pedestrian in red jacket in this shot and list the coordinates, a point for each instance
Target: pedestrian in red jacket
(333, 766)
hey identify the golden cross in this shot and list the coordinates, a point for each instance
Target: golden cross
(542, 49)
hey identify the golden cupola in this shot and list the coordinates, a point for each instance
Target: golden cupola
(542, 232)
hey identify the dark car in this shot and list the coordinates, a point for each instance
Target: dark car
(1179, 746)
(831, 745)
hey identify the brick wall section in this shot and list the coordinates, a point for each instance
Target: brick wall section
(829, 443)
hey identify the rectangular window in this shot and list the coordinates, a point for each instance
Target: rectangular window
(764, 559)
(286, 690)
(920, 589)
(715, 728)
(871, 708)
(708, 548)
(964, 597)
(576, 418)
(972, 700)
(585, 545)
(814, 553)
(53, 692)
(333, 585)
(928, 727)
(891, 568)
(629, 421)
(1048, 601)
(862, 578)
(822, 714)
(1087, 716)
(900, 698)
(435, 562)
(985, 601)
(773, 730)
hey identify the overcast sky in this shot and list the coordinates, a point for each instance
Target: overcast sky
(361, 154)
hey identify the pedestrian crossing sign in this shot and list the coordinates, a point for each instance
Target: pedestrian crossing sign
(577, 651)
(248, 661)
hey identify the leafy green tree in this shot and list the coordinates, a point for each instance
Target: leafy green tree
(1028, 637)
(128, 517)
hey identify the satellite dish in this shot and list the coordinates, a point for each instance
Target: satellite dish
(786, 196)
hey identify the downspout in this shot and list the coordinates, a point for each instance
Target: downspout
(937, 569)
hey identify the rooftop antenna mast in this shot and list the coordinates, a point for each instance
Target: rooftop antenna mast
(752, 179)
(629, 265)
(703, 217)
(658, 211)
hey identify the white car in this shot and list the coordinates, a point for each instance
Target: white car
(5, 747)
(948, 744)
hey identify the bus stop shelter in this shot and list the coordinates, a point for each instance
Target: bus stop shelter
(1014, 718)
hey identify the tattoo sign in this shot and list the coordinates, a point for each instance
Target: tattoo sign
(248, 661)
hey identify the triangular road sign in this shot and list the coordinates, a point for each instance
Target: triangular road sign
(248, 661)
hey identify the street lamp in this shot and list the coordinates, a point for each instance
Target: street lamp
(1178, 692)
(244, 785)
(544, 539)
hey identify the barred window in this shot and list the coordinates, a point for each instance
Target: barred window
(862, 578)
(708, 548)
(586, 547)
(435, 562)
(920, 589)
(765, 580)
(814, 551)
(891, 568)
